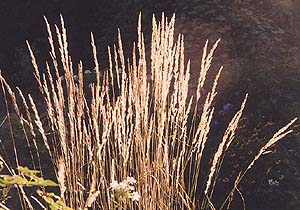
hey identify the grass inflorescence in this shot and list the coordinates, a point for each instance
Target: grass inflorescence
(137, 120)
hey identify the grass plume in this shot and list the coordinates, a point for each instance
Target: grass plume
(134, 123)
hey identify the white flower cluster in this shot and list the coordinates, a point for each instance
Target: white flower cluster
(125, 189)
(273, 182)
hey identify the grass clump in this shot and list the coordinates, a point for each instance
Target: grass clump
(139, 121)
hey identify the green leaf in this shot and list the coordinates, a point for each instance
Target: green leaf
(47, 183)
(27, 171)
(50, 199)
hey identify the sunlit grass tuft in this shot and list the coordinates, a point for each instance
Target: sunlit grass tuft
(134, 122)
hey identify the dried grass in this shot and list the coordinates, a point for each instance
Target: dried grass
(141, 131)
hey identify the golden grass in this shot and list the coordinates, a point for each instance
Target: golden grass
(142, 131)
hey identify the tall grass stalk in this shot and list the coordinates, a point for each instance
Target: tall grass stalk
(133, 124)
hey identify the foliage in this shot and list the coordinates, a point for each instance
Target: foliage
(54, 201)
(29, 178)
